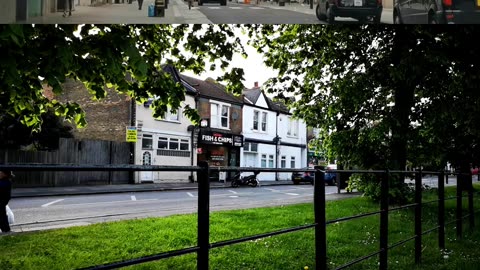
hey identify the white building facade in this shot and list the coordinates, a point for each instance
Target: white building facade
(273, 139)
(166, 141)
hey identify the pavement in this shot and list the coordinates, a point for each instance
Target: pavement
(177, 12)
(104, 189)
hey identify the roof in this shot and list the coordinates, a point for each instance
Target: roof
(211, 89)
(253, 94)
(177, 78)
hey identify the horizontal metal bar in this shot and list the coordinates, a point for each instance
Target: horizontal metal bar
(401, 242)
(359, 260)
(430, 230)
(402, 207)
(451, 198)
(258, 236)
(450, 222)
(432, 201)
(93, 167)
(159, 256)
(352, 217)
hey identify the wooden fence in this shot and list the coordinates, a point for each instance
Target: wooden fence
(71, 151)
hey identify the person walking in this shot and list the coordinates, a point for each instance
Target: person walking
(140, 2)
(5, 195)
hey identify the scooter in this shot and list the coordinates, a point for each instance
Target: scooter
(250, 180)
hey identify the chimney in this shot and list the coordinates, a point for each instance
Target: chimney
(255, 84)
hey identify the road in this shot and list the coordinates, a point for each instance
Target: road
(265, 14)
(42, 213)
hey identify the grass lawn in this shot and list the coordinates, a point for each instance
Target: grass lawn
(78, 247)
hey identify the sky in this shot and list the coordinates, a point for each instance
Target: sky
(253, 66)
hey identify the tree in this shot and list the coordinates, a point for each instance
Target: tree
(374, 91)
(106, 55)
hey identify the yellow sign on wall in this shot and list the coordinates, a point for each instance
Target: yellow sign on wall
(131, 134)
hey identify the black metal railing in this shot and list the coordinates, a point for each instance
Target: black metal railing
(320, 223)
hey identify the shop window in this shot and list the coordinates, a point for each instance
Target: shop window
(173, 144)
(250, 147)
(184, 145)
(292, 162)
(263, 161)
(147, 141)
(270, 161)
(162, 143)
(283, 162)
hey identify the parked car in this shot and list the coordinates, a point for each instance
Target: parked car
(362, 10)
(330, 178)
(436, 11)
(298, 177)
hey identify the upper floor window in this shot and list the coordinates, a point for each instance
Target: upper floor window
(292, 127)
(219, 115)
(171, 116)
(257, 125)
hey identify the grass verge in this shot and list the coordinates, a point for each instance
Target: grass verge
(78, 247)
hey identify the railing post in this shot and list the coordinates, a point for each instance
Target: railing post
(459, 205)
(471, 217)
(320, 220)
(441, 211)
(418, 216)
(203, 226)
(384, 221)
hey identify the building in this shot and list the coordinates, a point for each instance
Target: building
(168, 140)
(273, 138)
(220, 133)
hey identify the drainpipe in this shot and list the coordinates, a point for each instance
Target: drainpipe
(131, 174)
(277, 140)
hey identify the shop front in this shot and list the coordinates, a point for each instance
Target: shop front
(219, 149)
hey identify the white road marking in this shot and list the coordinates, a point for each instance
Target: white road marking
(293, 194)
(271, 189)
(234, 192)
(50, 203)
(190, 194)
(213, 7)
(133, 198)
(236, 7)
(257, 8)
(233, 196)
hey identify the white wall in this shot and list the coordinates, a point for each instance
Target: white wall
(161, 128)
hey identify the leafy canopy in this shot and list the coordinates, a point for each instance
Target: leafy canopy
(107, 55)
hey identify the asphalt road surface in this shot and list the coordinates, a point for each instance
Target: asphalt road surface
(234, 13)
(42, 213)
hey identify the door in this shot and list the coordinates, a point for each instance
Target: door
(146, 176)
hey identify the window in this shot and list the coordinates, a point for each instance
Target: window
(250, 147)
(270, 161)
(283, 162)
(173, 144)
(264, 121)
(171, 116)
(219, 115)
(147, 141)
(292, 162)
(184, 145)
(292, 127)
(162, 143)
(255, 120)
(263, 161)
